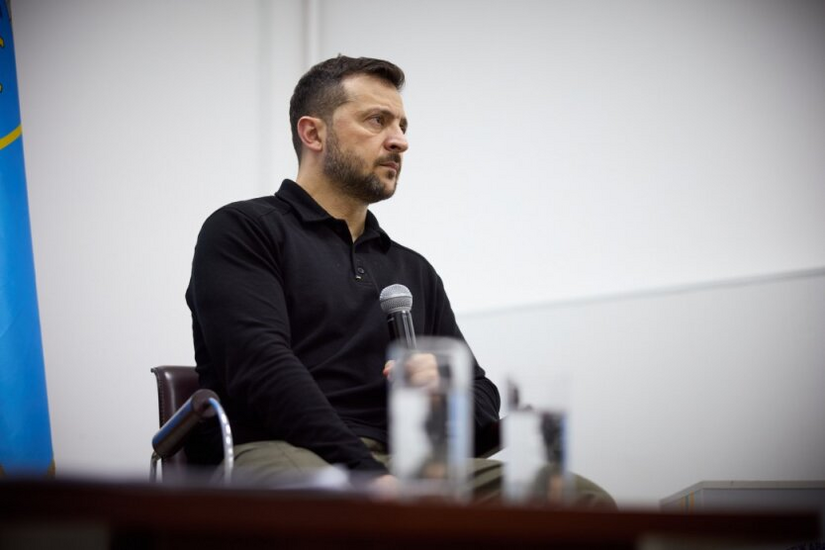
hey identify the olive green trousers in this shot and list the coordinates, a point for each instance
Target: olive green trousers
(272, 460)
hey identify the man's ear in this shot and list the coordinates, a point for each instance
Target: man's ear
(312, 132)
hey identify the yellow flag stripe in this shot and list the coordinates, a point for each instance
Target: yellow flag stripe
(7, 140)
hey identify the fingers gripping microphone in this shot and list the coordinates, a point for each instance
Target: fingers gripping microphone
(396, 302)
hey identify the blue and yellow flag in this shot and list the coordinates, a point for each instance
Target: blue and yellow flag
(25, 434)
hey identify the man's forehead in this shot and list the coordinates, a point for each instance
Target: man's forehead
(366, 91)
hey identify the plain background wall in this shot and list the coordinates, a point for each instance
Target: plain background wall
(139, 120)
(559, 151)
(710, 382)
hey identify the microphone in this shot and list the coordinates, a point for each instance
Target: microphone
(396, 302)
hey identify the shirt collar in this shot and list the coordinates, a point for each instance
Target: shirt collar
(309, 211)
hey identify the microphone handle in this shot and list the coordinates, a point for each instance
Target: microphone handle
(401, 327)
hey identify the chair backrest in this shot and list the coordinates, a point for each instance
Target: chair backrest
(175, 385)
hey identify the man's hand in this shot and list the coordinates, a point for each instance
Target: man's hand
(422, 370)
(385, 486)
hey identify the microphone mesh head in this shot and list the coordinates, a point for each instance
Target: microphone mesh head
(395, 298)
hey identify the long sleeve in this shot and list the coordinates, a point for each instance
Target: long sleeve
(486, 397)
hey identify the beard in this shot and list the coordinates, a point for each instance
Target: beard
(354, 177)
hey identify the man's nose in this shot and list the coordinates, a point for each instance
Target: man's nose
(397, 141)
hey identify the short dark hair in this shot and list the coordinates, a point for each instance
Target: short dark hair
(320, 90)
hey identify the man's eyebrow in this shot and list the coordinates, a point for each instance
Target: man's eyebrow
(386, 112)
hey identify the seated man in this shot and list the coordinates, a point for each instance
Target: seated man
(284, 293)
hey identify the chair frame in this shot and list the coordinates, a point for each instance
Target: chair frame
(181, 406)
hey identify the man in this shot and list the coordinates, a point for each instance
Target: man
(287, 324)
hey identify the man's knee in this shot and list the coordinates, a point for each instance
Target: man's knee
(274, 460)
(590, 495)
(488, 478)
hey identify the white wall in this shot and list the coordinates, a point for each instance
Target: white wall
(710, 382)
(139, 119)
(558, 150)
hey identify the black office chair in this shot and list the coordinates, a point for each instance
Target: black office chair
(181, 406)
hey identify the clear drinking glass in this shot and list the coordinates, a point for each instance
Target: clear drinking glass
(534, 434)
(431, 431)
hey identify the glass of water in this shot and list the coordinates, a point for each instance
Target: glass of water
(431, 432)
(534, 434)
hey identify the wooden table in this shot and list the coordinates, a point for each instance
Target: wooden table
(142, 515)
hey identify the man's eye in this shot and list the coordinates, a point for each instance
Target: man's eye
(379, 119)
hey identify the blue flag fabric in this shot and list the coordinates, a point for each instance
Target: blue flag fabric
(25, 433)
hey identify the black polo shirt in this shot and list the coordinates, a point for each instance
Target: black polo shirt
(288, 329)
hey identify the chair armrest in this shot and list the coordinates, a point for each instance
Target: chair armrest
(172, 435)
